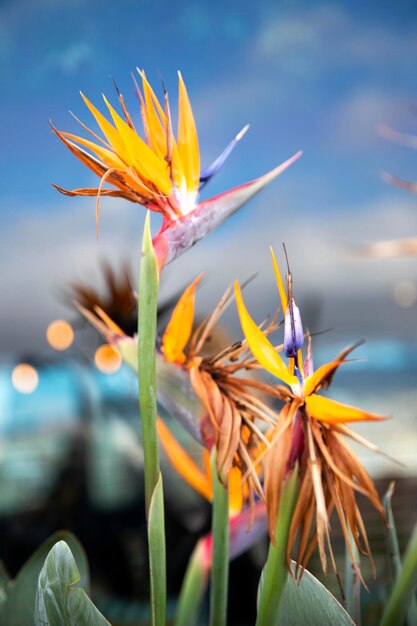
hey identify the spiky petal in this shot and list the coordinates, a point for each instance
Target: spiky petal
(180, 235)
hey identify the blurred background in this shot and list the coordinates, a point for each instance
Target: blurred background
(317, 76)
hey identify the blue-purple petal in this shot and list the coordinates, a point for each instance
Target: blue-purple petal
(293, 330)
(212, 169)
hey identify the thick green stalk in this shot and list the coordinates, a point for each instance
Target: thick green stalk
(275, 572)
(148, 301)
(193, 588)
(219, 586)
(403, 590)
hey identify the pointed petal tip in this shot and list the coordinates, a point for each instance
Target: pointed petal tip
(242, 132)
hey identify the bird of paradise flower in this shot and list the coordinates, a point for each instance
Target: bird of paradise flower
(310, 431)
(161, 172)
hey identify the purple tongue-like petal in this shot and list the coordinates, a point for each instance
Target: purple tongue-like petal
(241, 538)
(212, 169)
(177, 237)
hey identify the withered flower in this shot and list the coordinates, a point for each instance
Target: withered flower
(310, 431)
(211, 395)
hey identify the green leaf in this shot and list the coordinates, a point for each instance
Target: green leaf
(193, 588)
(58, 602)
(20, 604)
(275, 573)
(157, 556)
(403, 591)
(147, 314)
(4, 589)
(308, 602)
(154, 498)
(392, 539)
(394, 550)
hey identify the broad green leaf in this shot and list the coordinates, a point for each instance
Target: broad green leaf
(157, 556)
(4, 589)
(308, 602)
(58, 602)
(20, 604)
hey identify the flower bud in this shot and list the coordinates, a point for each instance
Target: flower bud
(293, 330)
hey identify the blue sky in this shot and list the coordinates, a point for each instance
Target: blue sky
(310, 75)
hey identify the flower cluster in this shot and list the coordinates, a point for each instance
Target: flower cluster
(220, 398)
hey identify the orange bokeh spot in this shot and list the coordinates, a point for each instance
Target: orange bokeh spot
(60, 335)
(25, 378)
(107, 359)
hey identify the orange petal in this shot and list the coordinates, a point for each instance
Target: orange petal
(148, 164)
(108, 157)
(262, 349)
(332, 412)
(280, 284)
(235, 491)
(180, 325)
(188, 139)
(155, 117)
(314, 381)
(183, 463)
(109, 131)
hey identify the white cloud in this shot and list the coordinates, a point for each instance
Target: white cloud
(46, 252)
(328, 37)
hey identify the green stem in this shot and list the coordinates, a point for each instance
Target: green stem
(220, 565)
(193, 588)
(402, 592)
(352, 583)
(275, 573)
(148, 302)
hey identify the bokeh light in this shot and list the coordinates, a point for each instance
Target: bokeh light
(60, 335)
(107, 359)
(405, 293)
(25, 378)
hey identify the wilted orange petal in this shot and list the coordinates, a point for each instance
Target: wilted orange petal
(183, 463)
(180, 325)
(332, 412)
(261, 347)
